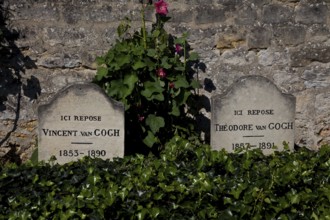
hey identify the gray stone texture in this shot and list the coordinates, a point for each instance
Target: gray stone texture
(284, 40)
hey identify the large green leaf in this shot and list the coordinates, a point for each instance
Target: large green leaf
(101, 72)
(175, 109)
(138, 65)
(165, 64)
(193, 56)
(122, 59)
(130, 80)
(155, 123)
(153, 90)
(120, 89)
(182, 97)
(181, 82)
(151, 53)
(195, 84)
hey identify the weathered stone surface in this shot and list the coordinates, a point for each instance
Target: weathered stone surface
(275, 14)
(183, 16)
(317, 77)
(230, 41)
(259, 38)
(269, 57)
(311, 13)
(248, 16)
(290, 35)
(80, 121)
(207, 15)
(303, 56)
(253, 113)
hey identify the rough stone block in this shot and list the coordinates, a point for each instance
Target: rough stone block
(208, 15)
(290, 35)
(259, 38)
(275, 14)
(311, 13)
(302, 56)
(247, 16)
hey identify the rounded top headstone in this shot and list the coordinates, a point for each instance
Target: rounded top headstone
(252, 113)
(81, 120)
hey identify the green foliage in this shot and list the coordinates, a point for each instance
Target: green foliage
(187, 181)
(150, 71)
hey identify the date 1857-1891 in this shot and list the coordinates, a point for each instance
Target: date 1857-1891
(261, 145)
(76, 153)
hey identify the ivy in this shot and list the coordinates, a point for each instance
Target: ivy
(188, 181)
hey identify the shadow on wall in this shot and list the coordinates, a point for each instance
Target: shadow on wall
(12, 68)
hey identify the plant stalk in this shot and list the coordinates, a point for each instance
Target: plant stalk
(144, 32)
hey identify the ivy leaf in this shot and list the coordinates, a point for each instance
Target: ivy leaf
(155, 123)
(150, 140)
(154, 212)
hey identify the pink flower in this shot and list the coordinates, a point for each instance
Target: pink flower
(140, 118)
(171, 85)
(161, 7)
(161, 73)
(178, 48)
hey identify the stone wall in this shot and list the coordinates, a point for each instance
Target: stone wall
(56, 43)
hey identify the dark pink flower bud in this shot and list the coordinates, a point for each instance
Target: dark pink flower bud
(161, 7)
(178, 48)
(171, 85)
(140, 118)
(161, 73)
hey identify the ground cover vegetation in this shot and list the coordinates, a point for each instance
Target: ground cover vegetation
(187, 181)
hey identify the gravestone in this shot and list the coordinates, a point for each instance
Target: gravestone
(253, 113)
(81, 120)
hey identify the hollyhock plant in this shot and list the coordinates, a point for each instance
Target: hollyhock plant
(141, 69)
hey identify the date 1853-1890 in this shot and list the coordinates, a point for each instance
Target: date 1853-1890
(76, 153)
(261, 145)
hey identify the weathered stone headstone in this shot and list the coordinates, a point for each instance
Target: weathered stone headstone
(81, 120)
(252, 113)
